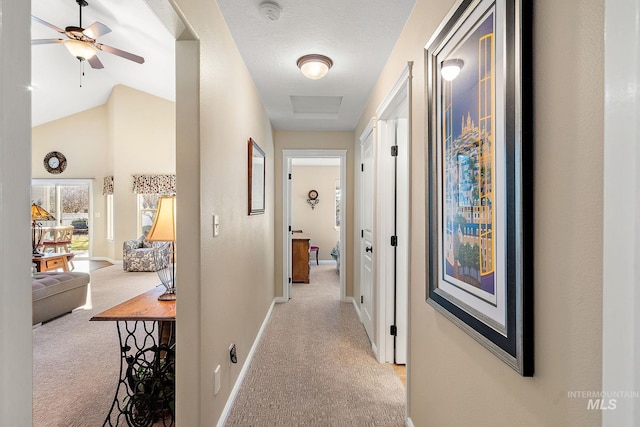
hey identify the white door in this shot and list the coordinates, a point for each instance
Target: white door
(288, 214)
(367, 155)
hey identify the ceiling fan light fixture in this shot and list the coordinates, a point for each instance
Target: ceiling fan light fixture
(314, 66)
(81, 50)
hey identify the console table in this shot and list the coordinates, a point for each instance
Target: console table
(146, 388)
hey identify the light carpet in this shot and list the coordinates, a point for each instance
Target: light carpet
(76, 362)
(314, 366)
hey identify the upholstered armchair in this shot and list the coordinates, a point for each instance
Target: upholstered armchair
(335, 254)
(138, 255)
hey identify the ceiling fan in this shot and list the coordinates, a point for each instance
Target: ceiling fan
(81, 42)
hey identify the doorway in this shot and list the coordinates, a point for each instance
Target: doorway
(334, 198)
(392, 220)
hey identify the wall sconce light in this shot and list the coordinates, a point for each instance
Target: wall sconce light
(313, 199)
(451, 68)
(314, 66)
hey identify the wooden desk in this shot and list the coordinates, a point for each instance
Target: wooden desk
(300, 260)
(145, 394)
(48, 262)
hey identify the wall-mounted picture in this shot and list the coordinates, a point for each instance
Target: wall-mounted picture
(479, 159)
(257, 170)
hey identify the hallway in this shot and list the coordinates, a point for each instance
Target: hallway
(314, 366)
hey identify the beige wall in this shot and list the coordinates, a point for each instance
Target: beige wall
(318, 223)
(452, 379)
(83, 139)
(294, 140)
(142, 140)
(133, 133)
(232, 288)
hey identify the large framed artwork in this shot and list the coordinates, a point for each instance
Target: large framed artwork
(257, 173)
(479, 176)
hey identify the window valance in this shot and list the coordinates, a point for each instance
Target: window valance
(154, 184)
(107, 186)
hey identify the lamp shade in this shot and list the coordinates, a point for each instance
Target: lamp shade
(314, 66)
(39, 214)
(164, 224)
(80, 49)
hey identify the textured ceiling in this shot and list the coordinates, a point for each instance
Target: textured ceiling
(357, 34)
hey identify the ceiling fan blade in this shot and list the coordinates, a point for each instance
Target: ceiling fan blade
(53, 27)
(122, 53)
(96, 30)
(95, 62)
(46, 41)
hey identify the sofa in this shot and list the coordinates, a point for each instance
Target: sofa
(137, 255)
(57, 293)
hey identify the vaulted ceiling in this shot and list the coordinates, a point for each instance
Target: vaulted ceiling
(358, 35)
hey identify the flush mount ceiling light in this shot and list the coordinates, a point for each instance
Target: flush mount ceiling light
(314, 66)
(451, 68)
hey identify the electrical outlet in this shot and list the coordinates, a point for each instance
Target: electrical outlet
(232, 353)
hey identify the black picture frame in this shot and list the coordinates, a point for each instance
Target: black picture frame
(479, 180)
(256, 178)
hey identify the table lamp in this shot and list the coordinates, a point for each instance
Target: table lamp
(38, 214)
(164, 230)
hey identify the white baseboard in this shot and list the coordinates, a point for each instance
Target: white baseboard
(236, 388)
(279, 300)
(409, 422)
(355, 306)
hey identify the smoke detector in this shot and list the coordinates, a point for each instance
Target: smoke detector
(270, 10)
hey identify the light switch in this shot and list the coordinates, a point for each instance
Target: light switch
(216, 225)
(216, 380)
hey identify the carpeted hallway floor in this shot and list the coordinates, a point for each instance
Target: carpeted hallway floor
(314, 366)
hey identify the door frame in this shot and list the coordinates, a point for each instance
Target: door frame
(396, 103)
(287, 156)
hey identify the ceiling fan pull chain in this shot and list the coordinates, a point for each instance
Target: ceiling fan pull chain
(81, 71)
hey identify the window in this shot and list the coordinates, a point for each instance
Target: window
(69, 201)
(110, 217)
(147, 206)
